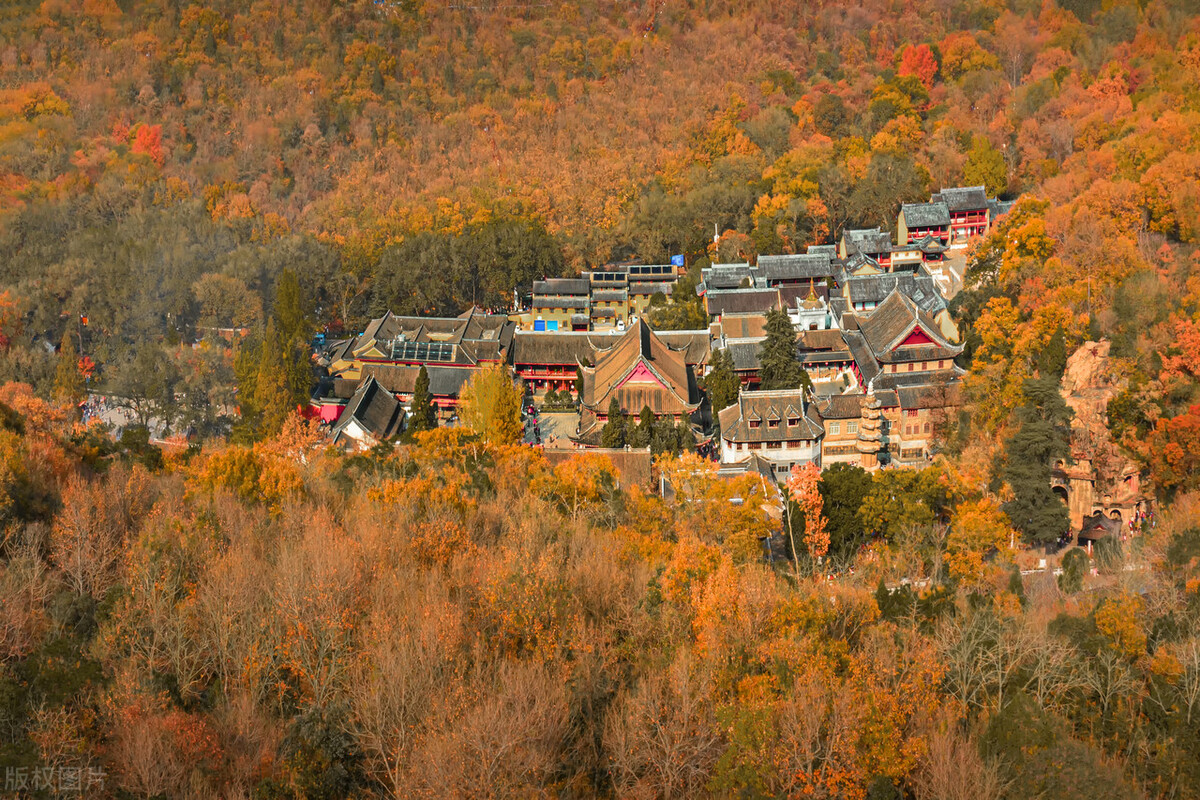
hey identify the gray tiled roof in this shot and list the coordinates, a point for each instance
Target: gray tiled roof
(887, 398)
(841, 406)
(821, 340)
(572, 286)
(443, 381)
(837, 304)
(745, 355)
(1000, 207)
(925, 215)
(556, 347)
(693, 344)
(783, 405)
(742, 301)
(926, 244)
(919, 287)
(963, 198)
(727, 276)
(373, 408)
(893, 318)
(876, 288)
(863, 357)
(867, 240)
(794, 267)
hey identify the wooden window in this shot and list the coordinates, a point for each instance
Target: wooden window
(851, 427)
(772, 423)
(754, 423)
(835, 428)
(793, 422)
(912, 412)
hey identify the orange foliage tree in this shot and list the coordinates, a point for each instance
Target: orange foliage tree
(803, 485)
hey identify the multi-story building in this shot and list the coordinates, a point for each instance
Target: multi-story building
(872, 243)
(969, 210)
(918, 220)
(897, 338)
(952, 216)
(780, 426)
(644, 281)
(562, 304)
(607, 298)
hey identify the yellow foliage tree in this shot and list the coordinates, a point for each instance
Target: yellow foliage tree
(728, 511)
(1117, 620)
(976, 527)
(491, 405)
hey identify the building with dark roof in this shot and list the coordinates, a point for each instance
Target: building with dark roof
(793, 270)
(970, 213)
(864, 293)
(558, 302)
(604, 298)
(902, 337)
(393, 348)
(371, 416)
(925, 251)
(873, 243)
(726, 276)
(918, 220)
(719, 302)
(780, 426)
(468, 340)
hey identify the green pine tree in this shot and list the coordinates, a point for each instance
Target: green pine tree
(614, 433)
(778, 367)
(643, 432)
(1044, 436)
(290, 314)
(299, 370)
(1051, 362)
(245, 372)
(721, 383)
(272, 392)
(68, 381)
(422, 414)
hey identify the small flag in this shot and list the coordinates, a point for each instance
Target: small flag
(83, 319)
(677, 261)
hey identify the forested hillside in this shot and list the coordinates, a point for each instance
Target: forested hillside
(149, 146)
(456, 616)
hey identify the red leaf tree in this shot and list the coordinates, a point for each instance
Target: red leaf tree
(803, 486)
(920, 62)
